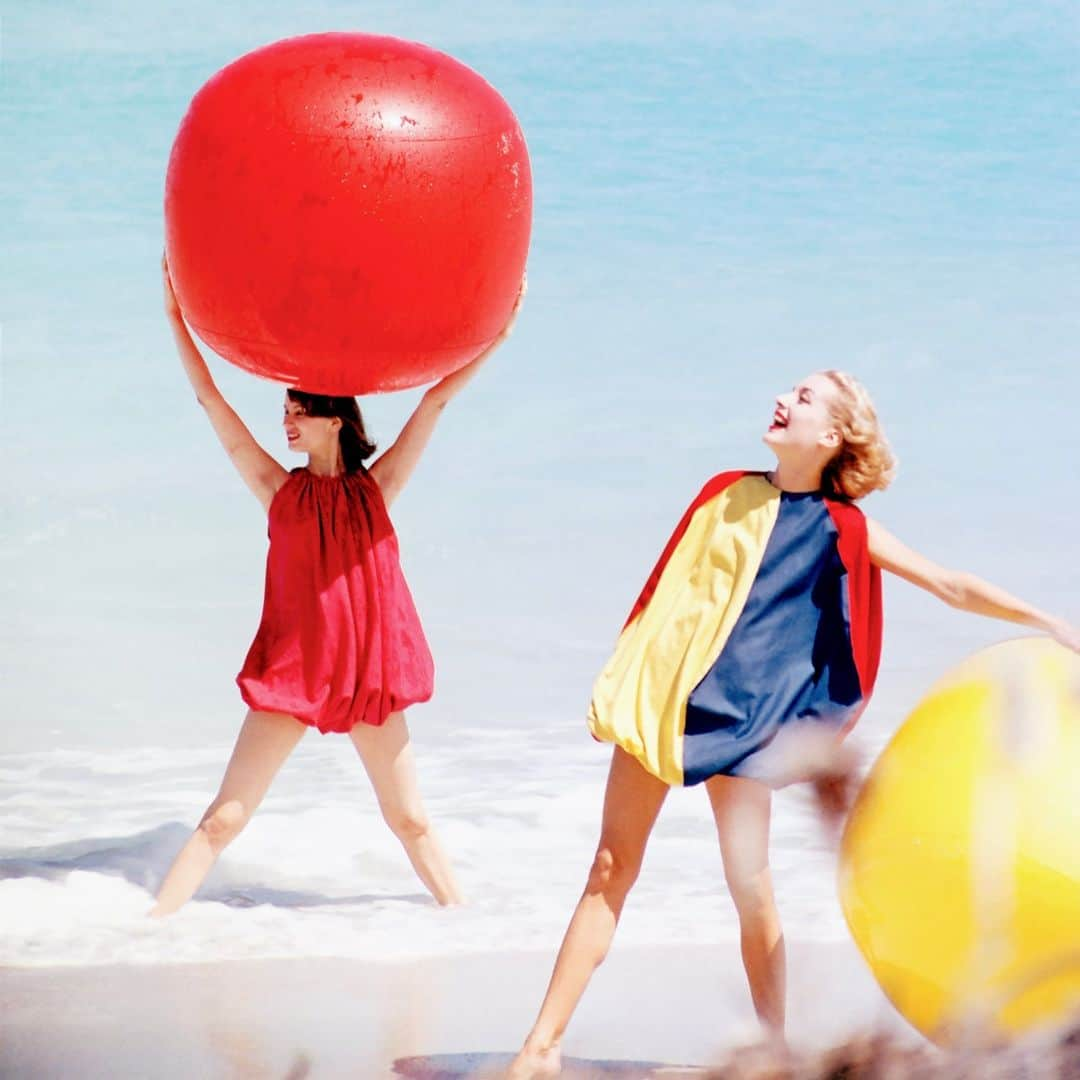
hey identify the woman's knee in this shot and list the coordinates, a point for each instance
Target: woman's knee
(221, 824)
(406, 823)
(753, 895)
(613, 869)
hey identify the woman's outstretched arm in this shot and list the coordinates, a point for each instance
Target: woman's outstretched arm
(259, 470)
(393, 469)
(962, 590)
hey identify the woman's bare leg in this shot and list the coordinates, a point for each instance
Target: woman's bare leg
(631, 805)
(265, 741)
(742, 810)
(388, 758)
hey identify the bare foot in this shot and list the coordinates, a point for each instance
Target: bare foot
(533, 1064)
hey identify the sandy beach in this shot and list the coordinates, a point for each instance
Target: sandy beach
(648, 1009)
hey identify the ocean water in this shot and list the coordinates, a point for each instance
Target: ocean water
(320, 875)
(727, 197)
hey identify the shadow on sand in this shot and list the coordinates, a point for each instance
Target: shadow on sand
(479, 1066)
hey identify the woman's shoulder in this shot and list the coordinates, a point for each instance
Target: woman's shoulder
(725, 479)
(847, 509)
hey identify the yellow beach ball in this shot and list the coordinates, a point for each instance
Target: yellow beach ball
(960, 862)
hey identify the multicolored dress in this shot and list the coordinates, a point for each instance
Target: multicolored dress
(763, 612)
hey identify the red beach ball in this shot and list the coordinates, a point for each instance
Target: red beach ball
(346, 213)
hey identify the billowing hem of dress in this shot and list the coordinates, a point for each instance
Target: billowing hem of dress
(267, 705)
(769, 762)
(603, 733)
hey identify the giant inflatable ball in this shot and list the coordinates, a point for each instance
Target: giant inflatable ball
(346, 213)
(960, 862)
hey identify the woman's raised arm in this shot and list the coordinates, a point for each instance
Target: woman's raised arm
(259, 470)
(962, 590)
(396, 465)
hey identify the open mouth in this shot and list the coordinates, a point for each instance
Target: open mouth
(779, 421)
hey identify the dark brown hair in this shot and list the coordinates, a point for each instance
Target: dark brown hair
(356, 447)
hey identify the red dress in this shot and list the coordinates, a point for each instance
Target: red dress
(340, 642)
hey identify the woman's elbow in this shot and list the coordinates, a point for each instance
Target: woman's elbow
(436, 399)
(953, 589)
(207, 394)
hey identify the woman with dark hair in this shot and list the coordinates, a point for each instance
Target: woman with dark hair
(340, 647)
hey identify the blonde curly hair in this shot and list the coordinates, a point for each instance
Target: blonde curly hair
(864, 462)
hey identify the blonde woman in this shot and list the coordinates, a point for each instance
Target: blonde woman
(753, 645)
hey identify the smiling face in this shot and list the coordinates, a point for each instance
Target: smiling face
(802, 421)
(309, 434)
